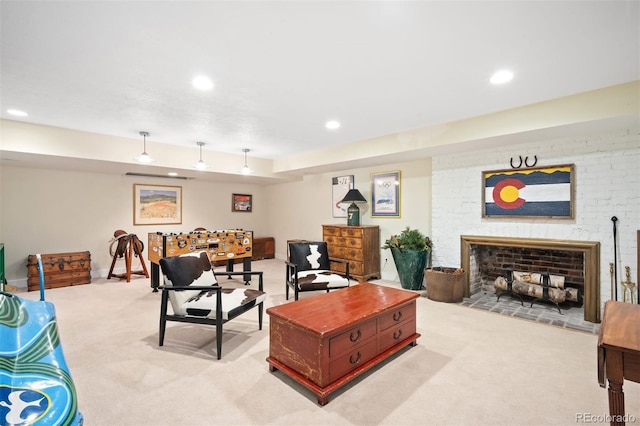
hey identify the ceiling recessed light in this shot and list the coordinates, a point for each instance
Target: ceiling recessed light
(501, 77)
(203, 83)
(17, 112)
(172, 174)
(332, 125)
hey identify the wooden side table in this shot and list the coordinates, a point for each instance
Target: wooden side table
(619, 353)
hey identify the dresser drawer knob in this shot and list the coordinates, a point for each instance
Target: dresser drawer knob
(397, 316)
(397, 334)
(355, 337)
(357, 360)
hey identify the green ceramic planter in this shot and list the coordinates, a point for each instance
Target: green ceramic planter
(410, 265)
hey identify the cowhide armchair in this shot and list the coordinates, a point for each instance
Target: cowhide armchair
(308, 269)
(191, 286)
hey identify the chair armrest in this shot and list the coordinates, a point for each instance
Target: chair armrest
(291, 266)
(346, 263)
(290, 263)
(291, 276)
(238, 273)
(221, 273)
(190, 287)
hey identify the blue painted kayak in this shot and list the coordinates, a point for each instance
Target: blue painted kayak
(36, 387)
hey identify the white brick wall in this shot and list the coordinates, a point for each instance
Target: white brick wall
(607, 184)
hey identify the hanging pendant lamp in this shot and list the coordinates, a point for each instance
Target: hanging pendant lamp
(144, 157)
(201, 165)
(245, 170)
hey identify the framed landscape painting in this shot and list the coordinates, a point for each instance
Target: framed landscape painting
(536, 192)
(157, 205)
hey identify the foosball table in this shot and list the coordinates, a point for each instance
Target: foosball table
(221, 246)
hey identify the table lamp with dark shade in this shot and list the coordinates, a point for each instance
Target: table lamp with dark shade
(353, 212)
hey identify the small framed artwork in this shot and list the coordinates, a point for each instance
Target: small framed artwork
(385, 194)
(157, 205)
(536, 192)
(340, 185)
(241, 203)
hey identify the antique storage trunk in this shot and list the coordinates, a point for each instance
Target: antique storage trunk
(60, 270)
(263, 248)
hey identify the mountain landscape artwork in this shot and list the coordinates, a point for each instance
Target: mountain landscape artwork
(156, 204)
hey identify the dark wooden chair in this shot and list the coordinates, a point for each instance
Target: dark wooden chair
(309, 269)
(191, 286)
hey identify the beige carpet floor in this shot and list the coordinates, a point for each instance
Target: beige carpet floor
(470, 367)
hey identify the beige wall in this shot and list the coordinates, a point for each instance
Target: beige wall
(51, 211)
(59, 211)
(299, 209)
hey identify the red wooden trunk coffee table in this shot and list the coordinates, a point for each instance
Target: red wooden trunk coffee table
(324, 342)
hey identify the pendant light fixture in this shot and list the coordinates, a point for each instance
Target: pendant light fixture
(144, 157)
(201, 165)
(245, 170)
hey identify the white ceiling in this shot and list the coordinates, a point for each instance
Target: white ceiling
(281, 69)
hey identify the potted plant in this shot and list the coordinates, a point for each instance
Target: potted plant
(411, 250)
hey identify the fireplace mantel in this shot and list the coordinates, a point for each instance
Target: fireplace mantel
(590, 249)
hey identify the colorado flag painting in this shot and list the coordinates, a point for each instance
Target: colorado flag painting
(533, 192)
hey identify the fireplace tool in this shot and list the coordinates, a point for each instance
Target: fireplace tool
(509, 291)
(611, 296)
(628, 287)
(545, 283)
(615, 259)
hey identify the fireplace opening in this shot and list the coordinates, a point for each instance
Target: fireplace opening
(486, 258)
(492, 262)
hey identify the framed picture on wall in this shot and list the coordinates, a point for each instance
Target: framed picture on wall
(157, 204)
(385, 194)
(536, 192)
(241, 203)
(340, 185)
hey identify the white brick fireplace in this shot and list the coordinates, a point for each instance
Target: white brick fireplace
(607, 184)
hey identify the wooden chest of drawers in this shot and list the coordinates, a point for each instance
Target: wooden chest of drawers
(359, 245)
(368, 323)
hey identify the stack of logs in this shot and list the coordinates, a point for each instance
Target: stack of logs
(530, 284)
